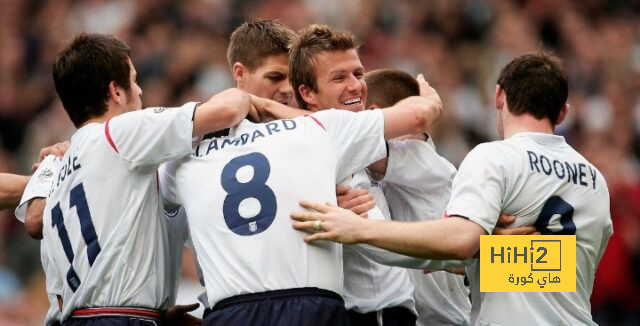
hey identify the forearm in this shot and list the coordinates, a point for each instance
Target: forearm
(33, 221)
(452, 238)
(278, 110)
(11, 188)
(223, 110)
(412, 115)
(390, 258)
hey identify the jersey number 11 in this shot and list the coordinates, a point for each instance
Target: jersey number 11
(78, 199)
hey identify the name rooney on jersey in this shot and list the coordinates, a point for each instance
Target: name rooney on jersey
(271, 128)
(575, 173)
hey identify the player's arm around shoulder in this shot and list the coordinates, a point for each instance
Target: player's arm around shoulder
(31, 207)
(268, 109)
(414, 114)
(223, 110)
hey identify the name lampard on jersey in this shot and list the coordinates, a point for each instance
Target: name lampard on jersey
(265, 130)
(575, 173)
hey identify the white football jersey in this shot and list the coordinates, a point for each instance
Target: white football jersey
(544, 182)
(54, 285)
(370, 286)
(39, 186)
(103, 222)
(417, 186)
(177, 236)
(238, 192)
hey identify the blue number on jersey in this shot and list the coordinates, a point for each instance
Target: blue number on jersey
(556, 206)
(254, 188)
(78, 199)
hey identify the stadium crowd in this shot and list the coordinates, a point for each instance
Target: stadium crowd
(179, 50)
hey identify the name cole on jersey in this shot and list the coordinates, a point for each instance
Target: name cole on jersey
(67, 169)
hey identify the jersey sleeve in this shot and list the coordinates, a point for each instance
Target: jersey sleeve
(39, 185)
(416, 168)
(358, 138)
(478, 187)
(153, 135)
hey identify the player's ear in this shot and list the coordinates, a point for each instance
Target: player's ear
(308, 95)
(499, 97)
(563, 113)
(239, 73)
(116, 93)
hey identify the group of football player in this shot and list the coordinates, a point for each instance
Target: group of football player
(311, 193)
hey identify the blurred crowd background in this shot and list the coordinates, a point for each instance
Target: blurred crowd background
(179, 50)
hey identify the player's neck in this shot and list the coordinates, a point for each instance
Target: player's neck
(525, 123)
(101, 118)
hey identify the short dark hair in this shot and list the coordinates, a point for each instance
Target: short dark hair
(312, 41)
(83, 70)
(255, 40)
(388, 86)
(535, 84)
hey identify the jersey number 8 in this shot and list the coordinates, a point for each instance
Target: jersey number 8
(256, 188)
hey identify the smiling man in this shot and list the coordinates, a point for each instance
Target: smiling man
(326, 72)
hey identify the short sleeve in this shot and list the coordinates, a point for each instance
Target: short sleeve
(358, 138)
(39, 185)
(153, 135)
(478, 187)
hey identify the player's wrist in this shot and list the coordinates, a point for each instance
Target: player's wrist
(367, 231)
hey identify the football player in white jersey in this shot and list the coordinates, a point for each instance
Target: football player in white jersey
(39, 186)
(417, 184)
(238, 191)
(103, 221)
(532, 174)
(326, 72)
(258, 59)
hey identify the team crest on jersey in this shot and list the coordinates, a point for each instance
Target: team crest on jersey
(45, 174)
(159, 109)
